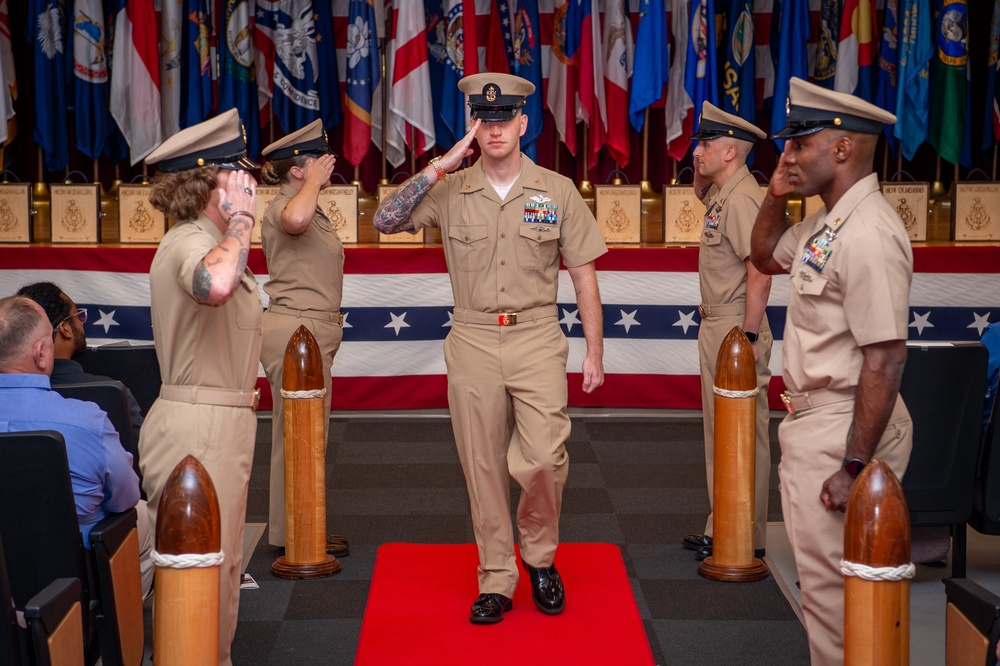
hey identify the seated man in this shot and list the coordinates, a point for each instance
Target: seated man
(71, 341)
(100, 469)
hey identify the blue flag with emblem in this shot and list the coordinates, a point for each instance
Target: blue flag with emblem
(329, 77)
(92, 88)
(991, 119)
(437, 54)
(827, 42)
(237, 80)
(651, 68)
(790, 57)
(701, 72)
(453, 110)
(523, 34)
(362, 77)
(739, 70)
(47, 31)
(913, 75)
(296, 65)
(115, 146)
(196, 72)
(888, 60)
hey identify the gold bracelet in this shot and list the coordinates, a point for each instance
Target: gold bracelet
(438, 169)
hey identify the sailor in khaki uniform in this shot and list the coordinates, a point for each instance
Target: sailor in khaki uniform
(206, 312)
(505, 222)
(305, 265)
(733, 292)
(845, 335)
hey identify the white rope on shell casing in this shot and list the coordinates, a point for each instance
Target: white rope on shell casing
(187, 560)
(902, 572)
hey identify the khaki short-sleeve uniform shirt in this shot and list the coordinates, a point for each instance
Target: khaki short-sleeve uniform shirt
(504, 255)
(725, 239)
(850, 272)
(306, 272)
(202, 345)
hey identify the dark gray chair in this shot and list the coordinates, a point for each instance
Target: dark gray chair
(973, 620)
(943, 389)
(135, 366)
(55, 618)
(985, 517)
(111, 396)
(42, 540)
(13, 641)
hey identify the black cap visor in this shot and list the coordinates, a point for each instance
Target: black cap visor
(229, 155)
(313, 147)
(804, 120)
(709, 129)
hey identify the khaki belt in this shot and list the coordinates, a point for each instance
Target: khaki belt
(725, 310)
(505, 318)
(318, 315)
(797, 403)
(210, 395)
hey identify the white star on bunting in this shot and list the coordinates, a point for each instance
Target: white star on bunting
(920, 322)
(570, 319)
(398, 322)
(686, 321)
(107, 320)
(980, 323)
(627, 320)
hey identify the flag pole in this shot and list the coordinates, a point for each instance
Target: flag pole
(994, 161)
(413, 152)
(385, 106)
(645, 146)
(899, 163)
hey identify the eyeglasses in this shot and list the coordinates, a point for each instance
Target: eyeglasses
(81, 314)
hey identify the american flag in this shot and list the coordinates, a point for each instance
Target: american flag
(397, 306)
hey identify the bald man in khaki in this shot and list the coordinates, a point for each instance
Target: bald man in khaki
(845, 336)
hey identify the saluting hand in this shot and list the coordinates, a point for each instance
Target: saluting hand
(238, 196)
(318, 170)
(453, 158)
(780, 185)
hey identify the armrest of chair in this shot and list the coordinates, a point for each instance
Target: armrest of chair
(112, 530)
(52, 604)
(55, 621)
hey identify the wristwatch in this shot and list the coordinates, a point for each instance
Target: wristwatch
(751, 336)
(435, 162)
(853, 466)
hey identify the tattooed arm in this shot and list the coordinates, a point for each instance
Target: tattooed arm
(218, 273)
(393, 214)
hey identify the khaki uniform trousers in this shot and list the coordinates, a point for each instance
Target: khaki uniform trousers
(507, 394)
(222, 439)
(277, 329)
(812, 450)
(711, 333)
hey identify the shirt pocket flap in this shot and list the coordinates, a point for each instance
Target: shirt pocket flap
(467, 233)
(540, 233)
(808, 282)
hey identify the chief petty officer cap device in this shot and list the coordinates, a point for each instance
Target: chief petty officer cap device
(495, 98)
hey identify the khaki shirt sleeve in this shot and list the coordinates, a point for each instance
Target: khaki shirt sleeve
(580, 240)
(188, 250)
(740, 217)
(428, 211)
(875, 281)
(789, 247)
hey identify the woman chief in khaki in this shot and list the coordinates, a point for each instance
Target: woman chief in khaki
(305, 262)
(206, 312)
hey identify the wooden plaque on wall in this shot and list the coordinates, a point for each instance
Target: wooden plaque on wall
(911, 203)
(265, 194)
(619, 212)
(683, 214)
(138, 221)
(15, 213)
(75, 211)
(340, 205)
(976, 213)
(402, 236)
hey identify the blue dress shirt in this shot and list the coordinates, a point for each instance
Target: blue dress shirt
(99, 468)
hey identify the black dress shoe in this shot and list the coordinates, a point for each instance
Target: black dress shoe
(546, 588)
(707, 550)
(697, 542)
(337, 545)
(489, 608)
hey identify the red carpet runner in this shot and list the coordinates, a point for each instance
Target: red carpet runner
(418, 612)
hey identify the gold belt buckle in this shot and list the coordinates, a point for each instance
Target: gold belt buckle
(507, 319)
(340, 321)
(256, 399)
(702, 311)
(785, 398)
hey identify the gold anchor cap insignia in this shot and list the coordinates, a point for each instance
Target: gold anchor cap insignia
(491, 93)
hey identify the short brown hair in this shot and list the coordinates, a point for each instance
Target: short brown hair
(183, 195)
(19, 320)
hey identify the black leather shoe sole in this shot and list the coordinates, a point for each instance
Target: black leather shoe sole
(489, 608)
(702, 553)
(696, 541)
